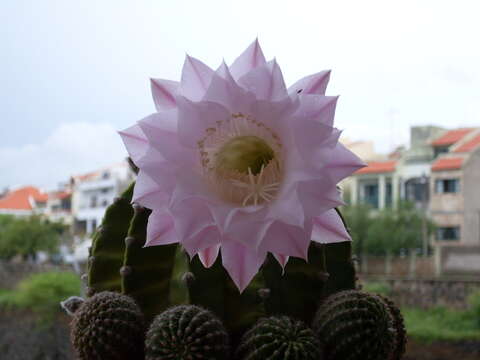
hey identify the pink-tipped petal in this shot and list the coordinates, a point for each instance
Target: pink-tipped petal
(312, 84)
(209, 255)
(241, 263)
(163, 93)
(196, 78)
(148, 193)
(318, 107)
(266, 82)
(282, 260)
(206, 238)
(161, 131)
(328, 228)
(135, 141)
(251, 58)
(195, 118)
(283, 238)
(160, 229)
(224, 90)
(343, 164)
(318, 196)
(253, 234)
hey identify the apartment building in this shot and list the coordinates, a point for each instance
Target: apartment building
(92, 193)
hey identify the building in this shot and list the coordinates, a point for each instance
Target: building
(440, 173)
(455, 201)
(92, 193)
(24, 201)
(403, 175)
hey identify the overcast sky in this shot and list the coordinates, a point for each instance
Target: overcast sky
(74, 72)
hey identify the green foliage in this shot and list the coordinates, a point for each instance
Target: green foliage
(474, 302)
(440, 324)
(377, 287)
(26, 236)
(42, 293)
(386, 231)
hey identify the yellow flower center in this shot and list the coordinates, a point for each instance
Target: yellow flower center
(242, 153)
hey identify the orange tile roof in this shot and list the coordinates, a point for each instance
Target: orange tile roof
(20, 199)
(447, 164)
(377, 167)
(469, 145)
(451, 137)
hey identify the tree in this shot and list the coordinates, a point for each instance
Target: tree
(27, 236)
(387, 231)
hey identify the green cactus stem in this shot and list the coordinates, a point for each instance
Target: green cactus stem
(108, 247)
(213, 289)
(353, 325)
(186, 332)
(297, 291)
(279, 338)
(146, 272)
(109, 326)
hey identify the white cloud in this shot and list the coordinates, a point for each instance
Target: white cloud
(72, 148)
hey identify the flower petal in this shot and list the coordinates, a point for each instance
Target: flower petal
(283, 238)
(161, 131)
(148, 193)
(160, 229)
(241, 262)
(343, 163)
(266, 82)
(312, 84)
(135, 141)
(194, 118)
(196, 78)
(163, 93)
(224, 90)
(282, 260)
(251, 58)
(209, 255)
(206, 238)
(318, 107)
(329, 228)
(318, 196)
(250, 235)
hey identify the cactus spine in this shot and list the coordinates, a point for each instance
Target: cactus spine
(279, 338)
(186, 332)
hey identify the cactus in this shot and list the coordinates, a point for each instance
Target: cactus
(108, 326)
(146, 272)
(108, 247)
(213, 289)
(355, 325)
(152, 278)
(279, 338)
(186, 332)
(399, 326)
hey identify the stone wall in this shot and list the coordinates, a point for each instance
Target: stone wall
(427, 293)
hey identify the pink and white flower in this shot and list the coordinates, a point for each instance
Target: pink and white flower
(235, 160)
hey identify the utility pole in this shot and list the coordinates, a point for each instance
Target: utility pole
(424, 182)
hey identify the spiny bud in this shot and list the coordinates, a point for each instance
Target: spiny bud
(186, 332)
(279, 338)
(108, 326)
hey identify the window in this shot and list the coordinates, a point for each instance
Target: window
(447, 186)
(93, 201)
(371, 195)
(440, 150)
(448, 233)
